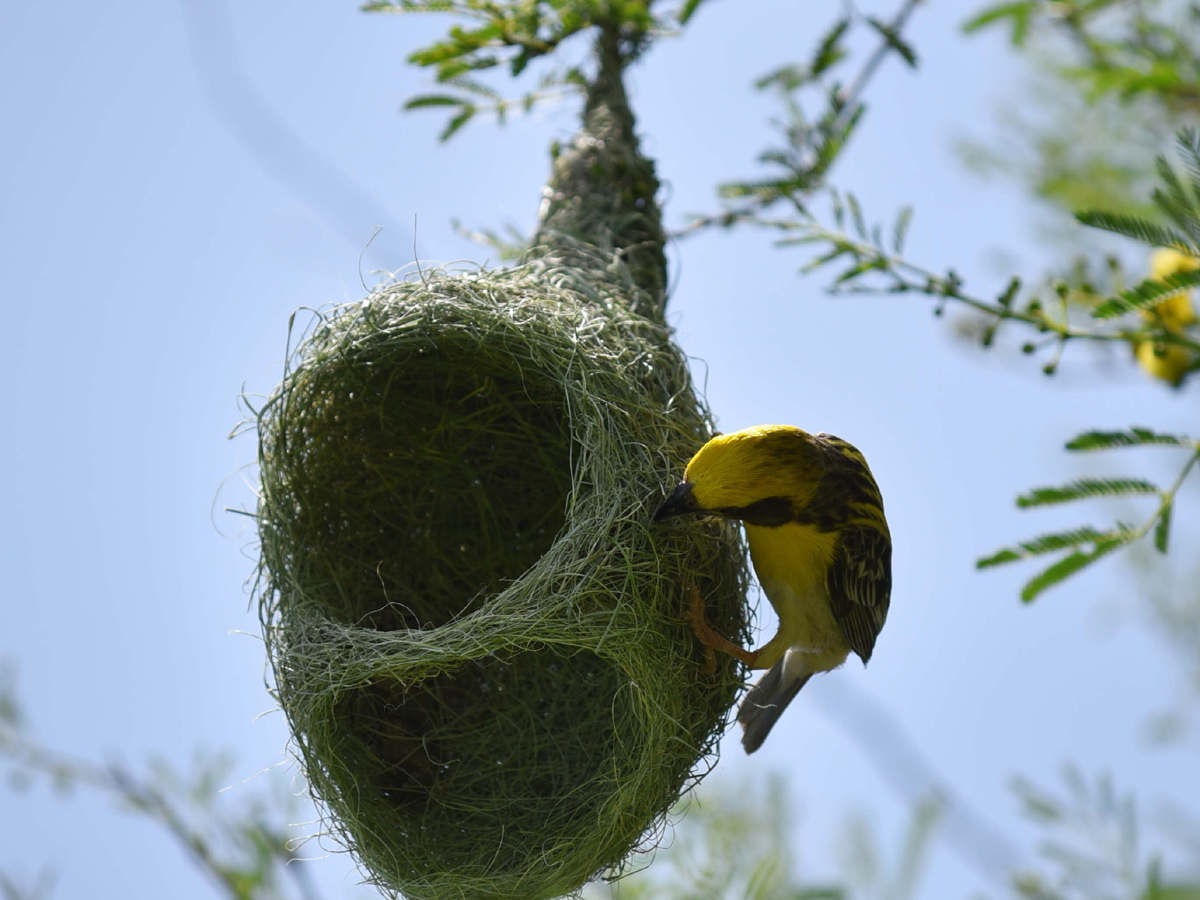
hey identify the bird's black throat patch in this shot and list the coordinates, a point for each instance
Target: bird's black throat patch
(770, 512)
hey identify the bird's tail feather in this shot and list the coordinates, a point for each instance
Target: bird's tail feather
(765, 702)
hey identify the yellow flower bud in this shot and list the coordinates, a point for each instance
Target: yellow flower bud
(1167, 362)
(1168, 262)
(1176, 312)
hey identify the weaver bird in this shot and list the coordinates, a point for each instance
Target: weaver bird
(820, 547)
(1160, 359)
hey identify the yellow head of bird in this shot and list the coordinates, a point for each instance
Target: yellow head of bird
(775, 465)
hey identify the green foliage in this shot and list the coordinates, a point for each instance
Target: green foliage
(1092, 849)
(1123, 49)
(1135, 227)
(1074, 562)
(1017, 16)
(808, 148)
(857, 247)
(1086, 545)
(11, 716)
(861, 253)
(865, 866)
(1132, 437)
(509, 246)
(1084, 488)
(736, 843)
(514, 34)
(239, 840)
(1110, 82)
(893, 40)
(1178, 204)
(810, 144)
(726, 844)
(1147, 294)
(1070, 153)
(14, 888)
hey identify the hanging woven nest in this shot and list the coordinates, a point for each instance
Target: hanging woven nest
(476, 632)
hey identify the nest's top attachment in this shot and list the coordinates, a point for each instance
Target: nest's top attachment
(478, 635)
(602, 196)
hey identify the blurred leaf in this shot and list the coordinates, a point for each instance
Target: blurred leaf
(457, 122)
(731, 841)
(787, 78)
(41, 888)
(1187, 144)
(425, 100)
(509, 247)
(688, 10)
(1071, 564)
(10, 710)
(399, 6)
(892, 38)
(1005, 300)
(1162, 528)
(1048, 543)
(1139, 229)
(856, 216)
(925, 818)
(1092, 843)
(1133, 437)
(1085, 488)
(900, 229)
(858, 269)
(829, 51)
(1019, 13)
(1173, 892)
(1036, 802)
(1146, 294)
(1166, 728)
(1176, 202)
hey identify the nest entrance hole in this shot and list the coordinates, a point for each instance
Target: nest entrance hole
(446, 476)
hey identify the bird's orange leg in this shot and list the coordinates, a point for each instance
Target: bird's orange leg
(710, 638)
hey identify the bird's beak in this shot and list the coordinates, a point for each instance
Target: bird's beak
(681, 502)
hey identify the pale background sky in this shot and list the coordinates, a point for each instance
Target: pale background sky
(150, 263)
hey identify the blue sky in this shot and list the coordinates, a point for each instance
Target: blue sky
(151, 262)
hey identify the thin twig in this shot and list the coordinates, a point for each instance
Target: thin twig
(947, 288)
(850, 96)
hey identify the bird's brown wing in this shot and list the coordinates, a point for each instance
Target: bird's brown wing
(860, 585)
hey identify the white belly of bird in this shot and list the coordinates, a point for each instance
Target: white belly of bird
(807, 626)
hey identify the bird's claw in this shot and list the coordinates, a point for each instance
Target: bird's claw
(713, 641)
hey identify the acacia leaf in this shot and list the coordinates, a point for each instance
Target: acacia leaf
(1086, 488)
(1146, 294)
(1068, 566)
(1131, 437)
